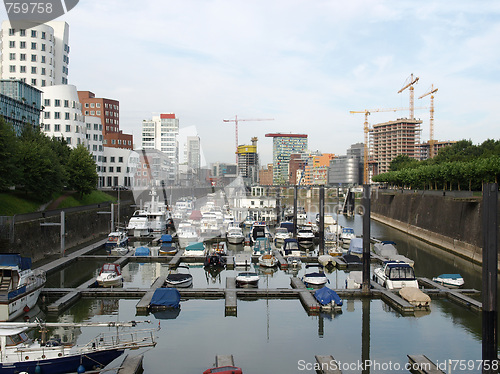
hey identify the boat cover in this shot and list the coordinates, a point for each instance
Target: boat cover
(142, 251)
(326, 295)
(450, 276)
(198, 246)
(414, 296)
(166, 297)
(356, 245)
(287, 225)
(15, 259)
(166, 238)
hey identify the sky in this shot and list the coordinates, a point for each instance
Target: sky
(302, 64)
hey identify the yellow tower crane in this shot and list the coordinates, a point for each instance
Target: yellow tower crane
(236, 120)
(410, 81)
(431, 92)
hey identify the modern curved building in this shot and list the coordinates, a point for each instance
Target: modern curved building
(38, 56)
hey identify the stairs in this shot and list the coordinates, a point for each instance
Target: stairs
(5, 284)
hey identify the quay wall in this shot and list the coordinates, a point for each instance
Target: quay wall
(454, 224)
(30, 239)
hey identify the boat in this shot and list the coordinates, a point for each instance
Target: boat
(291, 248)
(387, 250)
(415, 297)
(268, 260)
(328, 299)
(315, 279)
(20, 285)
(215, 259)
(116, 239)
(326, 260)
(138, 224)
(346, 235)
(142, 251)
(356, 247)
(197, 249)
(247, 279)
(395, 275)
(354, 280)
(224, 370)
(234, 235)
(167, 246)
(259, 230)
(186, 233)
(248, 222)
(110, 275)
(261, 246)
(450, 280)
(179, 279)
(21, 354)
(281, 234)
(351, 260)
(165, 298)
(218, 247)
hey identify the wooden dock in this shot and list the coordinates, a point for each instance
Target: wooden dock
(142, 307)
(174, 262)
(327, 365)
(229, 260)
(422, 365)
(224, 360)
(231, 297)
(306, 298)
(283, 264)
(131, 365)
(394, 300)
(455, 295)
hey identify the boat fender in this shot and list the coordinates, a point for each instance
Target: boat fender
(26, 309)
(81, 369)
(38, 369)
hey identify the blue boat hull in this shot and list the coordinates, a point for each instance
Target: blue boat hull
(68, 364)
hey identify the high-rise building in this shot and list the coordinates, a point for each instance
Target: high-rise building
(347, 170)
(193, 152)
(248, 162)
(266, 175)
(423, 149)
(391, 139)
(38, 56)
(161, 133)
(108, 111)
(283, 146)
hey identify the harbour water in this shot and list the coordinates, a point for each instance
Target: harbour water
(277, 336)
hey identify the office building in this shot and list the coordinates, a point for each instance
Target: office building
(20, 104)
(248, 162)
(283, 146)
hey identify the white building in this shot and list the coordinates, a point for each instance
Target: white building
(38, 56)
(118, 167)
(161, 133)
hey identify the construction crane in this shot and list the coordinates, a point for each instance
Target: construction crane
(367, 130)
(410, 81)
(431, 92)
(236, 120)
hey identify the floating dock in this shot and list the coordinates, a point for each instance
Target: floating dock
(131, 365)
(422, 365)
(455, 295)
(231, 297)
(306, 298)
(142, 307)
(327, 365)
(224, 360)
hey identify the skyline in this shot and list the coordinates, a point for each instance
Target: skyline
(304, 64)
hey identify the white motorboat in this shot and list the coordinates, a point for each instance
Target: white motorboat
(326, 260)
(197, 249)
(153, 218)
(261, 246)
(268, 260)
(305, 236)
(235, 235)
(315, 279)
(116, 239)
(395, 275)
(247, 279)
(186, 233)
(20, 285)
(138, 224)
(387, 250)
(281, 234)
(293, 261)
(110, 275)
(450, 280)
(346, 235)
(259, 230)
(354, 280)
(178, 279)
(291, 248)
(415, 297)
(20, 354)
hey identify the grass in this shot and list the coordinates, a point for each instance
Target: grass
(15, 202)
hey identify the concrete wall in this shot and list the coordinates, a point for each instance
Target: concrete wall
(455, 224)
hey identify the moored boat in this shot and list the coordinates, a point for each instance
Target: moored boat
(197, 249)
(261, 246)
(268, 260)
(20, 285)
(116, 239)
(110, 275)
(315, 278)
(291, 248)
(234, 235)
(328, 299)
(178, 279)
(395, 275)
(167, 246)
(450, 280)
(247, 278)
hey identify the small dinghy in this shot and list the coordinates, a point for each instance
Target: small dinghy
(449, 280)
(179, 279)
(326, 260)
(415, 297)
(328, 299)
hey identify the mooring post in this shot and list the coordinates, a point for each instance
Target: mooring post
(366, 238)
(489, 291)
(63, 233)
(295, 197)
(322, 220)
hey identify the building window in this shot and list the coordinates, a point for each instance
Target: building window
(68, 140)
(57, 127)
(33, 33)
(113, 141)
(33, 82)
(33, 46)
(12, 44)
(22, 32)
(22, 56)
(98, 105)
(66, 103)
(43, 59)
(47, 127)
(66, 115)
(68, 128)
(43, 71)
(57, 115)
(98, 112)
(120, 159)
(92, 112)
(43, 47)
(12, 32)
(33, 70)
(33, 58)
(46, 102)
(46, 115)
(86, 105)
(92, 105)
(112, 159)
(43, 34)
(43, 83)
(111, 169)
(86, 112)
(118, 169)
(22, 69)
(23, 45)
(12, 68)
(12, 56)
(57, 102)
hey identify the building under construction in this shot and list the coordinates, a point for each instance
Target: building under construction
(391, 139)
(248, 162)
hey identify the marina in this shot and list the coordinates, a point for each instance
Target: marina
(281, 304)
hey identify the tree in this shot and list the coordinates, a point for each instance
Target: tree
(82, 174)
(402, 162)
(9, 144)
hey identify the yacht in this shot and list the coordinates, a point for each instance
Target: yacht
(235, 235)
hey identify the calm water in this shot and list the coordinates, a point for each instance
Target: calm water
(277, 335)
